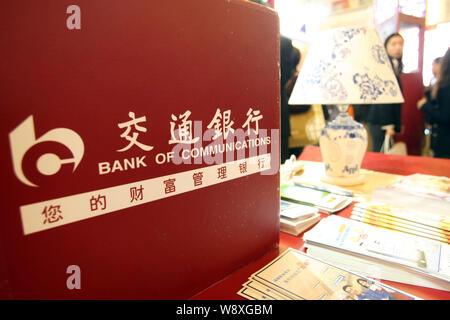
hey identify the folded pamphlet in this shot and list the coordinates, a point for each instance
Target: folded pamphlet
(295, 275)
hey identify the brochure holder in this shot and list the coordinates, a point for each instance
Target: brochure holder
(140, 146)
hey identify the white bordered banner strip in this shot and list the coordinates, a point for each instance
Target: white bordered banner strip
(53, 213)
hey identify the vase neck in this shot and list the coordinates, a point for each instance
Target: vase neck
(343, 118)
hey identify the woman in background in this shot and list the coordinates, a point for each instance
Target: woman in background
(436, 107)
(385, 119)
(435, 70)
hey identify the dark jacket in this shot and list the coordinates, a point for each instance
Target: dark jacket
(385, 114)
(438, 111)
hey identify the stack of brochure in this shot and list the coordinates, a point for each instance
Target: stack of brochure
(380, 253)
(418, 223)
(425, 186)
(296, 218)
(298, 276)
(429, 193)
(326, 202)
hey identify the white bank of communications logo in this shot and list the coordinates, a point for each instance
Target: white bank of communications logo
(23, 138)
(222, 141)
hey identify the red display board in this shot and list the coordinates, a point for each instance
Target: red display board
(140, 146)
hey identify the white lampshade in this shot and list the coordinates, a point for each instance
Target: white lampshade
(346, 66)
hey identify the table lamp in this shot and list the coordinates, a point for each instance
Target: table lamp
(345, 66)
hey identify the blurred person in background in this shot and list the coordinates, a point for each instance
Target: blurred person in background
(436, 107)
(289, 58)
(435, 69)
(427, 151)
(385, 119)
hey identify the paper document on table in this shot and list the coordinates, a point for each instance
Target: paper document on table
(423, 224)
(423, 255)
(424, 185)
(295, 275)
(295, 211)
(417, 215)
(325, 201)
(430, 194)
(363, 192)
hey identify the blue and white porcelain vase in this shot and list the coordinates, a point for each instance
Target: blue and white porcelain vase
(343, 143)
